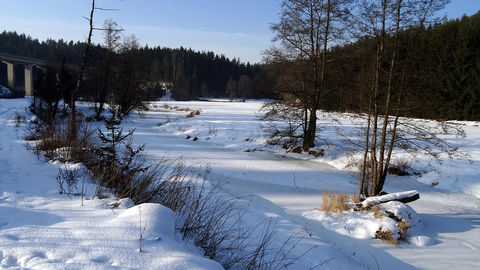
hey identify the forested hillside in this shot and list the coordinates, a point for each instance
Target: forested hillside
(442, 72)
(190, 73)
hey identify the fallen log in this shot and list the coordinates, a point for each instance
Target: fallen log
(404, 197)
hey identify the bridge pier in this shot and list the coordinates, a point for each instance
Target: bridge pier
(10, 75)
(28, 63)
(28, 80)
(12, 78)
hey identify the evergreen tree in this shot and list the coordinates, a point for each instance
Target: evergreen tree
(117, 166)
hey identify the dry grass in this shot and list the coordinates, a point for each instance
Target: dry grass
(192, 113)
(356, 198)
(386, 236)
(334, 202)
(403, 227)
(377, 212)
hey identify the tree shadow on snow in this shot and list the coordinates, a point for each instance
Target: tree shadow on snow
(435, 224)
(11, 217)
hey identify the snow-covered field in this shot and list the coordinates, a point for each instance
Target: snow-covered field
(40, 229)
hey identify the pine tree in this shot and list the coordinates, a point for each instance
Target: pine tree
(117, 166)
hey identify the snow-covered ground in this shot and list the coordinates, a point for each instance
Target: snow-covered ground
(42, 229)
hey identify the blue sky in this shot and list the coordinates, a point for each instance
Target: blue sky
(236, 28)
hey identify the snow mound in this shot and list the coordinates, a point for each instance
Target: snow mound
(364, 225)
(402, 211)
(123, 203)
(154, 220)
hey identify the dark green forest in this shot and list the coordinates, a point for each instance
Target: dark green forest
(190, 73)
(439, 63)
(443, 73)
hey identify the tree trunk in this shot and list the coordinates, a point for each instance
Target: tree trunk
(404, 197)
(73, 120)
(309, 139)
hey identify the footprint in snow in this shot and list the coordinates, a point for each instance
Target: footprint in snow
(101, 260)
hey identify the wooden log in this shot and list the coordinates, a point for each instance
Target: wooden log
(404, 197)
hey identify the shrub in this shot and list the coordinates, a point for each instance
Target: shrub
(55, 142)
(400, 168)
(19, 119)
(67, 180)
(118, 162)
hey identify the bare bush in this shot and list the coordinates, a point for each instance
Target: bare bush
(19, 119)
(285, 124)
(67, 180)
(55, 142)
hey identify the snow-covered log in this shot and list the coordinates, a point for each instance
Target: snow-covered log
(404, 197)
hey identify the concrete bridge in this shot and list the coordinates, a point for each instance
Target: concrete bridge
(29, 64)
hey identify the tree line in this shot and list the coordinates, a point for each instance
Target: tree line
(442, 64)
(187, 73)
(446, 64)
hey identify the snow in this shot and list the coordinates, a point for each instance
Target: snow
(364, 225)
(41, 229)
(4, 92)
(44, 230)
(389, 197)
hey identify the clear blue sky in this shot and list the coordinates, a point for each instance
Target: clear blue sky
(236, 28)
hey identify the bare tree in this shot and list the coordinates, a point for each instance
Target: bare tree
(105, 68)
(384, 20)
(130, 87)
(83, 65)
(306, 30)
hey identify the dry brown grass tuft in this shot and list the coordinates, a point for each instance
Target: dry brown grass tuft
(377, 212)
(386, 236)
(334, 202)
(403, 227)
(356, 198)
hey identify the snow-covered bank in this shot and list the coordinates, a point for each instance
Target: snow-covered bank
(40, 229)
